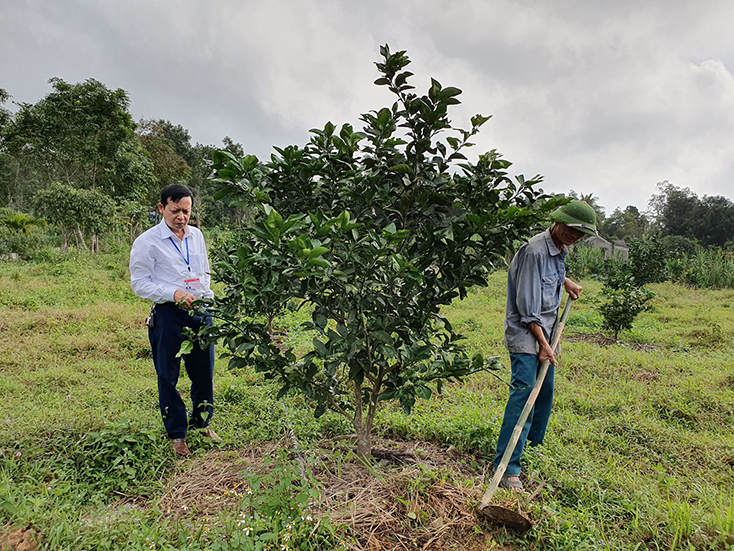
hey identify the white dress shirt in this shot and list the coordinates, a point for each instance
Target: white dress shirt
(159, 267)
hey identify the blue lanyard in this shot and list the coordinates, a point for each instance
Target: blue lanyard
(186, 240)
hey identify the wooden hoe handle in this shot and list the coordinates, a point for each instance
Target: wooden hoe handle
(499, 473)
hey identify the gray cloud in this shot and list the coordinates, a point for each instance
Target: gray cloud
(598, 97)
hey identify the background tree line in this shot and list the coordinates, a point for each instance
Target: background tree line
(77, 160)
(673, 211)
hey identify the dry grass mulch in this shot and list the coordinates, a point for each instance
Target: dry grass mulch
(214, 482)
(412, 495)
(418, 496)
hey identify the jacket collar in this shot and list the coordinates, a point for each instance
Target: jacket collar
(552, 249)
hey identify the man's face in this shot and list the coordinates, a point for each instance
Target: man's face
(565, 235)
(176, 213)
(569, 235)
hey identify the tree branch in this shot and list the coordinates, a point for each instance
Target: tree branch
(337, 408)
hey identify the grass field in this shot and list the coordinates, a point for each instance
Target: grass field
(639, 452)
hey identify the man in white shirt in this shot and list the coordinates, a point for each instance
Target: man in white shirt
(169, 266)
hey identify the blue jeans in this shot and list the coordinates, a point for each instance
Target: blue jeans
(166, 337)
(525, 368)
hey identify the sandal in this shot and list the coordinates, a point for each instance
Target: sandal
(511, 482)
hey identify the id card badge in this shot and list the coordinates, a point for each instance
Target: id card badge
(193, 286)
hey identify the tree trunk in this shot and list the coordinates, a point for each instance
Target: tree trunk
(362, 426)
(80, 237)
(65, 237)
(364, 442)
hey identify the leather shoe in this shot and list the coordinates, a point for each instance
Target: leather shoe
(180, 447)
(209, 433)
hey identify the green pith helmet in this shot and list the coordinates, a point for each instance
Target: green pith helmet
(577, 215)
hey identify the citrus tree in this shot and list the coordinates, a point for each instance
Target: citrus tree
(374, 231)
(624, 300)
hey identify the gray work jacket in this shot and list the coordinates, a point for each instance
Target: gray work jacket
(534, 286)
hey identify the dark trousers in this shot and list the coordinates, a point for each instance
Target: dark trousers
(166, 337)
(525, 368)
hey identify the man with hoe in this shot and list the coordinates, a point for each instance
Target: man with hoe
(169, 266)
(535, 281)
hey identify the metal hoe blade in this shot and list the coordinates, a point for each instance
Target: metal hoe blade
(501, 516)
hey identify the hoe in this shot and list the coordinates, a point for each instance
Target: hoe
(501, 515)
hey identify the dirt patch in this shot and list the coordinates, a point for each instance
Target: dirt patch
(601, 339)
(412, 495)
(24, 539)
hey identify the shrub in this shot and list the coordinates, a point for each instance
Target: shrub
(624, 301)
(77, 212)
(625, 298)
(648, 260)
(677, 245)
(26, 245)
(121, 456)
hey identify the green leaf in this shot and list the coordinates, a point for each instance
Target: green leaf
(320, 320)
(318, 251)
(401, 168)
(423, 353)
(319, 262)
(245, 346)
(479, 120)
(320, 347)
(275, 220)
(356, 373)
(388, 395)
(344, 219)
(423, 392)
(186, 348)
(382, 336)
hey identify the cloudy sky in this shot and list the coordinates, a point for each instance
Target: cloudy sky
(600, 97)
